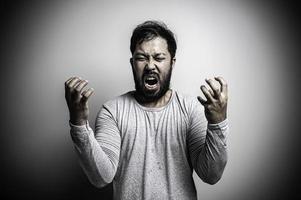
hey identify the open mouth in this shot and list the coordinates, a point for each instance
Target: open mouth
(151, 82)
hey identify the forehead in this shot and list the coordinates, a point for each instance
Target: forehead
(155, 45)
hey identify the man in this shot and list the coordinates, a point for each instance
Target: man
(148, 141)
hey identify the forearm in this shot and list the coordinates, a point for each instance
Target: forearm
(212, 156)
(95, 162)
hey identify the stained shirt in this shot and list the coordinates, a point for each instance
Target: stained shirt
(150, 153)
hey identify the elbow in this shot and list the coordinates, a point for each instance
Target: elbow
(215, 173)
(101, 182)
(212, 180)
(99, 185)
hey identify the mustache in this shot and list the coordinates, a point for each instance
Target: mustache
(150, 74)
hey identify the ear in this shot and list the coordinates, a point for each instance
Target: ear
(173, 62)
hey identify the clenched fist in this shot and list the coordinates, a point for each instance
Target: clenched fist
(217, 97)
(77, 100)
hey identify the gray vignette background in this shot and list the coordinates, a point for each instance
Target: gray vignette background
(254, 45)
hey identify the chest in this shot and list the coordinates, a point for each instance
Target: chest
(153, 131)
(155, 124)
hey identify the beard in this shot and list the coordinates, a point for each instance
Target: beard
(149, 95)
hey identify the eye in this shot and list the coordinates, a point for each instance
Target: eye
(140, 58)
(159, 59)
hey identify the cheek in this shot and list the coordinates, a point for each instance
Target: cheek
(164, 68)
(138, 69)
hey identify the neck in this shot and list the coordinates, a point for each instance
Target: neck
(162, 101)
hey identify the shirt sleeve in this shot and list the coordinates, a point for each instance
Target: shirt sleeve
(207, 144)
(98, 152)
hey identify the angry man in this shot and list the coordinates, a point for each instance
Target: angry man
(149, 141)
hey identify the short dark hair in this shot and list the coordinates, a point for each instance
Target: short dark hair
(151, 29)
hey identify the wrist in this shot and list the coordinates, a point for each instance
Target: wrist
(78, 122)
(217, 120)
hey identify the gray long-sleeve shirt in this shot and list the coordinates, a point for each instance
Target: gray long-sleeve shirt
(150, 153)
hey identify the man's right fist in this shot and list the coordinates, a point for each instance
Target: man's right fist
(77, 100)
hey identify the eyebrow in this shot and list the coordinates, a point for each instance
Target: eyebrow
(159, 54)
(140, 54)
(155, 55)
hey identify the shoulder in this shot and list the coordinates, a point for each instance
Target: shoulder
(118, 103)
(121, 98)
(190, 106)
(187, 102)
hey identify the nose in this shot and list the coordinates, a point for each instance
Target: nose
(150, 66)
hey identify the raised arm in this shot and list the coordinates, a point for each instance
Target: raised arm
(207, 139)
(98, 152)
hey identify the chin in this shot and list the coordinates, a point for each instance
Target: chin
(155, 95)
(148, 92)
(151, 95)
(151, 92)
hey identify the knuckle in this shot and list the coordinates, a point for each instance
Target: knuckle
(210, 106)
(69, 87)
(212, 85)
(82, 83)
(223, 101)
(77, 90)
(78, 86)
(221, 78)
(216, 89)
(85, 95)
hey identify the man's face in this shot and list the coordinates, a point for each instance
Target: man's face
(152, 67)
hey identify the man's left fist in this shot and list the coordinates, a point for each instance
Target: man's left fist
(216, 103)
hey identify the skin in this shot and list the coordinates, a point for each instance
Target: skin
(216, 99)
(77, 100)
(152, 55)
